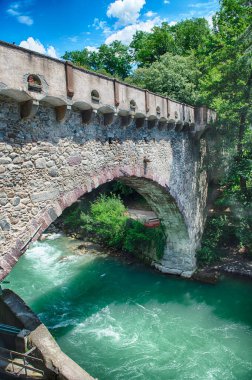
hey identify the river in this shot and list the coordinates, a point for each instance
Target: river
(128, 322)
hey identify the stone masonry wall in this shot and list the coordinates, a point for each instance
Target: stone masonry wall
(46, 165)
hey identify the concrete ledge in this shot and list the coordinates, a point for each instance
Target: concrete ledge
(164, 269)
(57, 364)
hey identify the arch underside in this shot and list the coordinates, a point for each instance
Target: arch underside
(179, 255)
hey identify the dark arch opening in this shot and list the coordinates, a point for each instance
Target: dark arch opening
(34, 83)
(95, 96)
(132, 105)
(179, 253)
(140, 122)
(143, 234)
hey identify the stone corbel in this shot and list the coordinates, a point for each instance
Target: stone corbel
(179, 126)
(200, 133)
(62, 113)
(29, 109)
(132, 120)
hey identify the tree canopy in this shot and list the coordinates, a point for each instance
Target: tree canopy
(174, 76)
(114, 59)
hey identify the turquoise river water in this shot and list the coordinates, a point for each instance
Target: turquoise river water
(127, 322)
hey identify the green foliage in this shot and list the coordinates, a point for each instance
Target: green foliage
(72, 217)
(149, 47)
(214, 231)
(191, 35)
(227, 63)
(181, 39)
(119, 187)
(239, 201)
(114, 59)
(139, 238)
(79, 57)
(106, 219)
(173, 75)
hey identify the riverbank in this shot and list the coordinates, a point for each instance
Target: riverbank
(232, 262)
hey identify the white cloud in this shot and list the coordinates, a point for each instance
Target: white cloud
(51, 52)
(166, 1)
(12, 12)
(205, 5)
(37, 46)
(202, 9)
(91, 48)
(102, 25)
(172, 23)
(15, 10)
(126, 11)
(150, 14)
(73, 39)
(125, 35)
(27, 20)
(209, 18)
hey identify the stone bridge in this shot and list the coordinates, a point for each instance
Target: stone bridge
(65, 131)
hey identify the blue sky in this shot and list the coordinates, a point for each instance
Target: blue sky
(54, 26)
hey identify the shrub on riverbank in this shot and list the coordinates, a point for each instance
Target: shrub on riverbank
(107, 222)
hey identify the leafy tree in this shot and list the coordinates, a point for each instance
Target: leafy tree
(173, 75)
(227, 84)
(148, 47)
(191, 35)
(181, 39)
(79, 57)
(106, 219)
(114, 59)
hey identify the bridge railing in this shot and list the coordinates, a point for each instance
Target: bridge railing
(19, 363)
(31, 78)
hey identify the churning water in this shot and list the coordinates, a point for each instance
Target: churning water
(127, 322)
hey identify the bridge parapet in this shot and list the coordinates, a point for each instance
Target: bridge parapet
(31, 78)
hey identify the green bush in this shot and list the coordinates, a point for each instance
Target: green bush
(71, 217)
(139, 238)
(215, 231)
(106, 220)
(120, 188)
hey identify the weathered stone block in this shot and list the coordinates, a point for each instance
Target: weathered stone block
(16, 201)
(74, 160)
(44, 196)
(5, 225)
(53, 172)
(5, 160)
(40, 163)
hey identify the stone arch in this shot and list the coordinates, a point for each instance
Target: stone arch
(95, 96)
(179, 252)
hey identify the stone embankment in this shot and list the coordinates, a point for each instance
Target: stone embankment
(233, 264)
